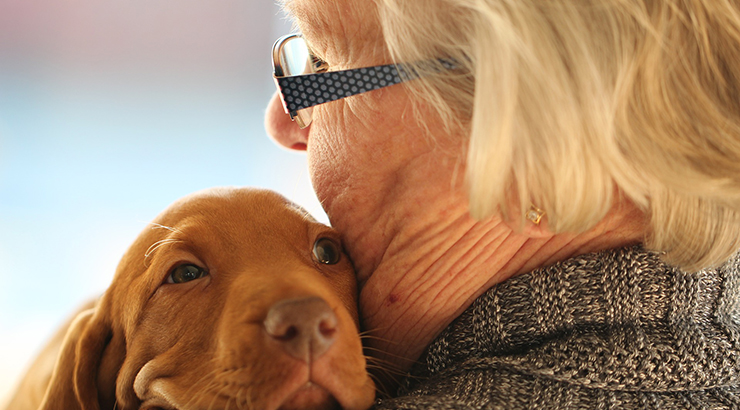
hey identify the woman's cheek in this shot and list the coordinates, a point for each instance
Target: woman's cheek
(357, 143)
(327, 157)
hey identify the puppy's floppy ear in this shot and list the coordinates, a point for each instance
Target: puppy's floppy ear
(75, 381)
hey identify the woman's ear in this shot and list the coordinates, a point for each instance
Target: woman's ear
(83, 365)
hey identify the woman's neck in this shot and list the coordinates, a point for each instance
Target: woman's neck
(431, 270)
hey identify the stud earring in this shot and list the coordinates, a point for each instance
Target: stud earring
(534, 214)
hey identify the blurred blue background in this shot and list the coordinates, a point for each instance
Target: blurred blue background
(109, 111)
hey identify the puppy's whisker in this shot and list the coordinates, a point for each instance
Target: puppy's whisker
(250, 394)
(378, 338)
(378, 361)
(209, 390)
(383, 368)
(213, 398)
(197, 384)
(195, 398)
(158, 244)
(203, 390)
(238, 398)
(368, 335)
(367, 332)
(218, 394)
(160, 226)
(384, 361)
(374, 330)
(379, 392)
(387, 369)
(386, 354)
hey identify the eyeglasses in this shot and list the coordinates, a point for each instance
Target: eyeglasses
(303, 81)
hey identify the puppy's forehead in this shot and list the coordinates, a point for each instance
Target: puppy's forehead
(235, 209)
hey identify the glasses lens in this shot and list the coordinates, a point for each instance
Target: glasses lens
(295, 59)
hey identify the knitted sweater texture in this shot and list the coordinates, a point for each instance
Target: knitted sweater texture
(618, 329)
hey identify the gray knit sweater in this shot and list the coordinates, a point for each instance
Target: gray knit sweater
(617, 329)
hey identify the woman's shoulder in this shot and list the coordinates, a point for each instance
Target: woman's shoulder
(620, 326)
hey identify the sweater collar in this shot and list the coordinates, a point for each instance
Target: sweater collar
(618, 319)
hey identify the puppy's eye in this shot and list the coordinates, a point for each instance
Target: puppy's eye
(185, 273)
(326, 251)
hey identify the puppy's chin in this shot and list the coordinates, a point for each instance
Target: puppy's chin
(310, 397)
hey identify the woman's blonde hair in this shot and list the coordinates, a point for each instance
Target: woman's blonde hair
(564, 100)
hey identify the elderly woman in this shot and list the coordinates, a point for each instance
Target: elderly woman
(545, 212)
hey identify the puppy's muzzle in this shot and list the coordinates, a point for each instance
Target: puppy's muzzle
(305, 328)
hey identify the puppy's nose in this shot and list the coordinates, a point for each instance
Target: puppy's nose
(305, 327)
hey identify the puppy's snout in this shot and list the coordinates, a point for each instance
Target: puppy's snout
(304, 327)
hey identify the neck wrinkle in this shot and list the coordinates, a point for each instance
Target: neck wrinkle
(426, 279)
(430, 273)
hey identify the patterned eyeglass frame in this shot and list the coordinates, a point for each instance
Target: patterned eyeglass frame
(299, 92)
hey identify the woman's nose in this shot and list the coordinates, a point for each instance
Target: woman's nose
(282, 129)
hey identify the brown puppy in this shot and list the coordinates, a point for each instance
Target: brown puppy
(233, 298)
